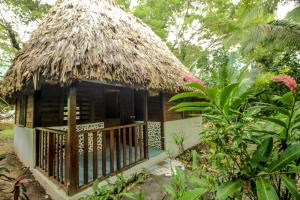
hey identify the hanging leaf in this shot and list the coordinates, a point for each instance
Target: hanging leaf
(290, 184)
(264, 150)
(190, 109)
(290, 154)
(265, 191)
(188, 95)
(191, 104)
(274, 120)
(196, 86)
(287, 98)
(226, 92)
(228, 188)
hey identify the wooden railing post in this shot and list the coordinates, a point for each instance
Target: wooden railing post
(51, 147)
(72, 157)
(145, 136)
(37, 148)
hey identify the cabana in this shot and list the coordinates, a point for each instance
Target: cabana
(91, 90)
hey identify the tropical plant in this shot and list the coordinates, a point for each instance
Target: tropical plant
(116, 190)
(178, 139)
(253, 145)
(188, 185)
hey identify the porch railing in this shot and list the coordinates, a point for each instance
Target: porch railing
(50, 152)
(101, 152)
(121, 147)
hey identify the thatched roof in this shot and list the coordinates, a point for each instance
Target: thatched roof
(94, 40)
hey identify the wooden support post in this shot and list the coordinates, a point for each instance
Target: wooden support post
(145, 136)
(72, 160)
(51, 153)
(37, 147)
(163, 119)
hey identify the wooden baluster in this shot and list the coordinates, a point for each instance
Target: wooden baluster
(135, 143)
(111, 146)
(124, 147)
(95, 155)
(141, 141)
(85, 158)
(57, 157)
(40, 148)
(46, 151)
(62, 161)
(50, 159)
(37, 148)
(145, 136)
(118, 149)
(103, 153)
(130, 145)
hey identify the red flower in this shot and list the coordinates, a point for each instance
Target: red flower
(287, 80)
(193, 79)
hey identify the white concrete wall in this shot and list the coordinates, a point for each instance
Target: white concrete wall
(189, 128)
(24, 142)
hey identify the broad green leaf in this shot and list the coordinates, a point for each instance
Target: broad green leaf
(241, 99)
(170, 190)
(191, 104)
(228, 188)
(287, 98)
(226, 92)
(263, 131)
(279, 110)
(187, 95)
(190, 109)
(290, 184)
(295, 127)
(196, 86)
(194, 160)
(263, 150)
(265, 190)
(193, 194)
(286, 157)
(212, 94)
(274, 120)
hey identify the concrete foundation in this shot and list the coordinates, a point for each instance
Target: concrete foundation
(24, 143)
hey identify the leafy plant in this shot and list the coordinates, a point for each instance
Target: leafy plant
(252, 144)
(179, 140)
(188, 185)
(117, 190)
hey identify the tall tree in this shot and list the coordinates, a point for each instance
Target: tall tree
(15, 17)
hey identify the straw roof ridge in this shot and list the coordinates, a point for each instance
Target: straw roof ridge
(94, 40)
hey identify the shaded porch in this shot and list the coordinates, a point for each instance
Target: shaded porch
(74, 150)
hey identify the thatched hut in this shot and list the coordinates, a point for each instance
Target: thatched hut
(91, 89)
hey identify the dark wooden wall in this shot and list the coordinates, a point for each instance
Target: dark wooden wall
(171, 115)
(154, 108)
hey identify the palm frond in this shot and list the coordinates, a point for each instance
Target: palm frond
(282, 33)
(294, 15)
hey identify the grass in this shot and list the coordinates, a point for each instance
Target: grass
(6, 131)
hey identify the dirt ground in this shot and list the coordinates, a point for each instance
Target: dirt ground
(9, 161)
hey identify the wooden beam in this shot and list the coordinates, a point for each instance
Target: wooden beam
(72, 160)
(163, 119)
(146, 152)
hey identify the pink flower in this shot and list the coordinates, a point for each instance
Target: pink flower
(287, 80)
(193, 79)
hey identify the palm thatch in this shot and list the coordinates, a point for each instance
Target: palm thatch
(94, 40)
